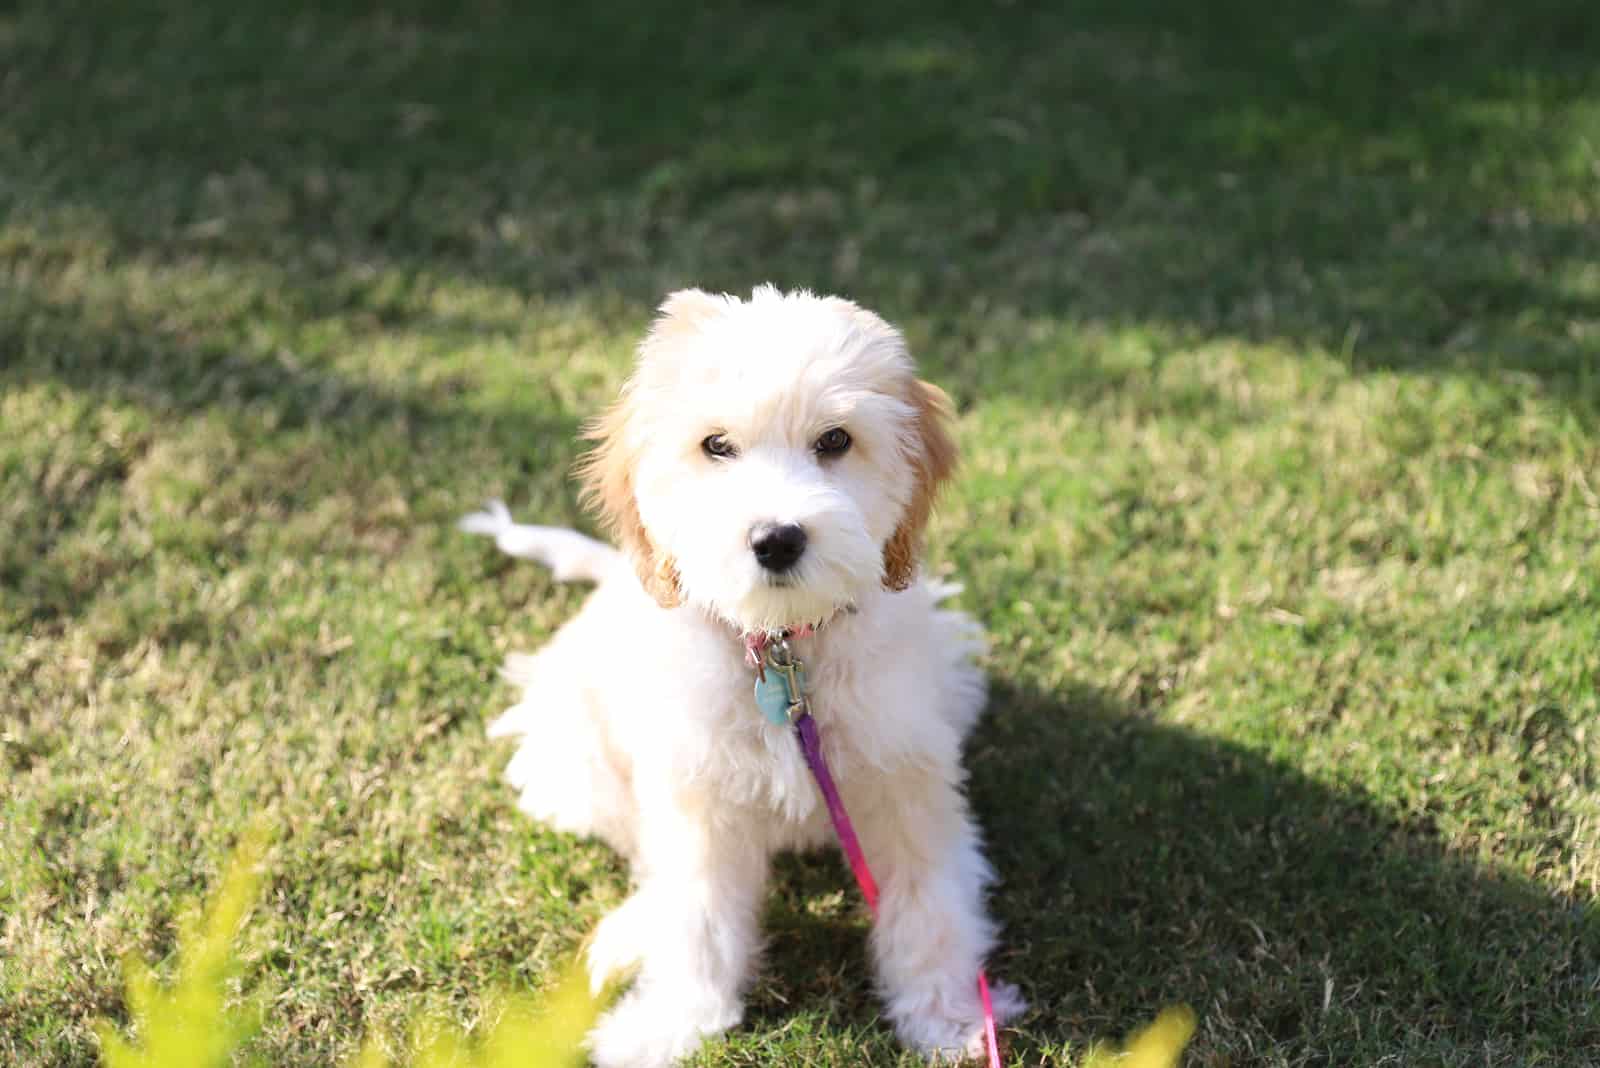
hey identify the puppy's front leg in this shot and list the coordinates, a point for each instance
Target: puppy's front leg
(932, 932)
(691, 926)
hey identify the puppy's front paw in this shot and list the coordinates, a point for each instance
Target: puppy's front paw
(654, 1030)
(946, 1035)
(1008, 1004)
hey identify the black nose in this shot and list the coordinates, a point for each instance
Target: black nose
(777, 545)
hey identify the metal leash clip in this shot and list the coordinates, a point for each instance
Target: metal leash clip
(789, 703)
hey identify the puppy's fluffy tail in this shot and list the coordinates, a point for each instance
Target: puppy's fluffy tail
(570, 556)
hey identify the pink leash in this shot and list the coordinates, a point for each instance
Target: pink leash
(805, 729)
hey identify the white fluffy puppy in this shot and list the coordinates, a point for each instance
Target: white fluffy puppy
(770, 464)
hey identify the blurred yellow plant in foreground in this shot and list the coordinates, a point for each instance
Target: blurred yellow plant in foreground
(1159, 1045)
(190, 1024)
(524, 1034)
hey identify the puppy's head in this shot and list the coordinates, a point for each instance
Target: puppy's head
(770, 460)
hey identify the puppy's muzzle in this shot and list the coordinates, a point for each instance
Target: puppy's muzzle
(777, 546)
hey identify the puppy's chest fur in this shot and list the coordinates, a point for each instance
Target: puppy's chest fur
(892, 697)
(630, 707)
(753, 762)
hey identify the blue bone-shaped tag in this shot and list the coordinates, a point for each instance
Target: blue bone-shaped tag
(773, 696)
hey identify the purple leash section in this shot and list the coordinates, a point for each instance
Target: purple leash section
(776, 654)
(811, 745)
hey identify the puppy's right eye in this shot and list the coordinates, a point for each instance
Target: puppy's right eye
(718, 447)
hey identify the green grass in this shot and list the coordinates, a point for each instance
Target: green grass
(1275, 331)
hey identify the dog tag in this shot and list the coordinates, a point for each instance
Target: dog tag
(772, 697)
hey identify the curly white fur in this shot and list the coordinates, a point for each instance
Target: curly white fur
(637, 720)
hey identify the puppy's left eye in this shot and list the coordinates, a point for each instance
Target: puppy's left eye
(718, 447)
(833, 442)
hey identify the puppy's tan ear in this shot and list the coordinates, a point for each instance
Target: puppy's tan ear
(607, 471)
(607, 477)
(934, 460)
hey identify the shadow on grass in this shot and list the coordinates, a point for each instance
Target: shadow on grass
(1144, 865)
(1400, 185)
